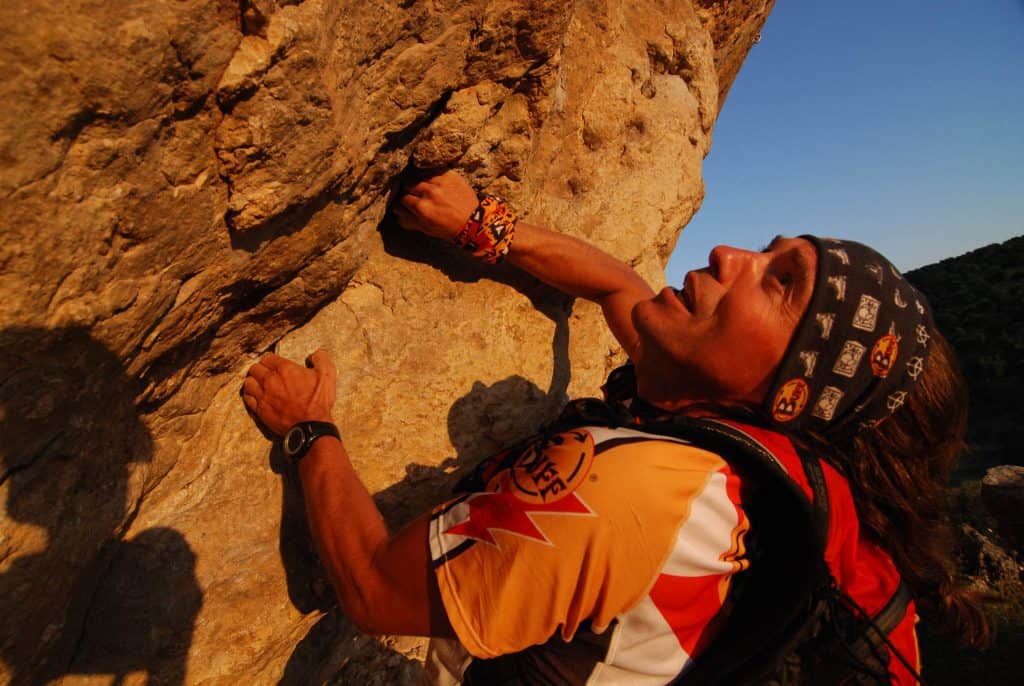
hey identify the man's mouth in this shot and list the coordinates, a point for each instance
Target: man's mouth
(685, 294)
(684, 298)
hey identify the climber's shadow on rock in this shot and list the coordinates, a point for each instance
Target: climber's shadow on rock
(308, 587)
(75, 597)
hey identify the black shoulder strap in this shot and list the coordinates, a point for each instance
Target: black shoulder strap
(874, 641)
(816, 479)
(733, 444)
(885, 620)
(894, 611)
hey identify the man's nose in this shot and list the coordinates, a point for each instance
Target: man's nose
(726, 261)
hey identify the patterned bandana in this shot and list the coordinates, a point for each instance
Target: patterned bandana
(859, 348)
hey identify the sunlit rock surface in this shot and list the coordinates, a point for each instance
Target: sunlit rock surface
(188, 184)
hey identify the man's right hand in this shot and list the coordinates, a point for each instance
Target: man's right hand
(282, 393)
(438, 206)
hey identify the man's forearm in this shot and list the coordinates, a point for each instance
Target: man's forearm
(581, 270)
(573, 266)
(344, 522)
(384, 582)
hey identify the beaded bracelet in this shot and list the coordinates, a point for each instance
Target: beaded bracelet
(489, 231)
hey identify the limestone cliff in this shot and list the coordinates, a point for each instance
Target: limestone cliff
(187, 184)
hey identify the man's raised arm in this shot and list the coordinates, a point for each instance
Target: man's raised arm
(441, 205)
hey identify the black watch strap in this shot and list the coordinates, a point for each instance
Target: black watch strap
(299, 439)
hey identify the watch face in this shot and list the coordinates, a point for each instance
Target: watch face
(293, 440)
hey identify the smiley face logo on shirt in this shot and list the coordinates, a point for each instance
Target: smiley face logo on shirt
(551, 468)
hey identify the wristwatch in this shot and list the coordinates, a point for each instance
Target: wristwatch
(299, 439)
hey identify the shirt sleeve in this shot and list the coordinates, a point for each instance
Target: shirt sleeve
(569, 532)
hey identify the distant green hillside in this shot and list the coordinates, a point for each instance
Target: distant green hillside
(978, 299)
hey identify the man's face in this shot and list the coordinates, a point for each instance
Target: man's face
(723, 336)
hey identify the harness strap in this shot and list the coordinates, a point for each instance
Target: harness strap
(883, 623)
(894, 611)
(816, 479)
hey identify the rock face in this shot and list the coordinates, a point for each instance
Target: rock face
(186, 185)
(989, 568)
(1002, 491)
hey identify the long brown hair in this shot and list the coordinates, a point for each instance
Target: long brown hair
(899, 476)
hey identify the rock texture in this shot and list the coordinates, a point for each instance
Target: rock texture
(989, 568)
(1002, 492)
(188, 184)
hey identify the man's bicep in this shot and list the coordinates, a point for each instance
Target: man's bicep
(408, 601)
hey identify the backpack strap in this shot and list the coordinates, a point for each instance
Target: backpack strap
(873, 642)
(889, 618)
(894, 611)
(816, 479)
(733, 442)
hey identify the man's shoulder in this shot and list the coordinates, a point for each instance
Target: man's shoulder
(624, 443)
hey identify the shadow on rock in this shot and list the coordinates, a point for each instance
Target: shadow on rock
(308, 587)
(334, 652)
(74, 596)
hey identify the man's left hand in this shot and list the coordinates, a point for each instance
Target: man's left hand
(282, 393)
(438, 206)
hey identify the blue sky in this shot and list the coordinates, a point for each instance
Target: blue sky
(899, 124)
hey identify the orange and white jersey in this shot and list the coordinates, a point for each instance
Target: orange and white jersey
(628, 535)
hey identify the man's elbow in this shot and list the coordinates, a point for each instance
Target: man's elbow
(376, 620)
(369, 608)
(355, 599)
(357, 615)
